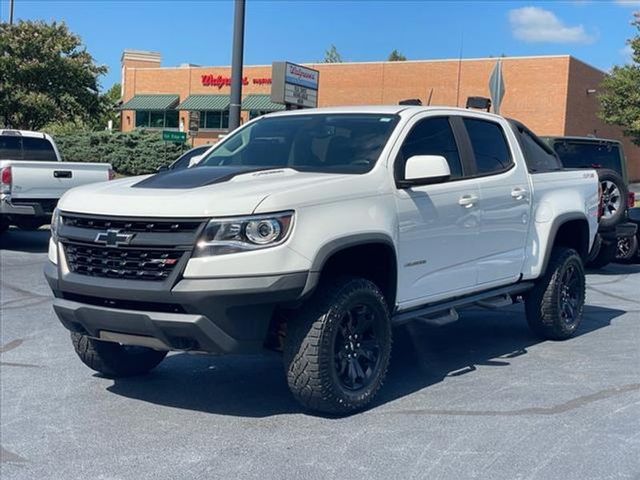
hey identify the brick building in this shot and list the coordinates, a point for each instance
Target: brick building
(553, 95)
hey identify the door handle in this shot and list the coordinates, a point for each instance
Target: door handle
(519, 193)
(62, 174)
(467, 201)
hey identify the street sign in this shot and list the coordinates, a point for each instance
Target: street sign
(173, 136)
(496, 87)
(294, 85)
(194, 121)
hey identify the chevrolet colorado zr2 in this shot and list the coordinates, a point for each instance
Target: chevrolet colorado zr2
(314, 232)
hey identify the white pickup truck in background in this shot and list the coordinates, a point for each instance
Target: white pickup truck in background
(33, 178)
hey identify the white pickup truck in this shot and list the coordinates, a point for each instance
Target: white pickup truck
(32, 178)
(314, 232)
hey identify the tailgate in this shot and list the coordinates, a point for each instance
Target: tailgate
(35, 180)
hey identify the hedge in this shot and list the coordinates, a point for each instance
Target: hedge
(131, 153)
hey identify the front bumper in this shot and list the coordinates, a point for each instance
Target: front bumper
(217, 315)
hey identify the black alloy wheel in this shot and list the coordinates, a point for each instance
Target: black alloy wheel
(570, 297)
(357, 348)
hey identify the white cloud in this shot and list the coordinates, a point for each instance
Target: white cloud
(628, 3)
(537, 25)
(627, 53)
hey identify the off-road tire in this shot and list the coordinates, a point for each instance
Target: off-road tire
(312, 336)
(625, 253)
(115, 360)
(605, 255)
(544, 305)
(614, 181)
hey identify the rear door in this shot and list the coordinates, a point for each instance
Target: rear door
(505, 201)
(438, 224)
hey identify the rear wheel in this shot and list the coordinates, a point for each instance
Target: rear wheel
(614, 198)
(626, 249)
(115, 360)
(554, 306)
(337, 349)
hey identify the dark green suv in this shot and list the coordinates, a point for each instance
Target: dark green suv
(617, 236)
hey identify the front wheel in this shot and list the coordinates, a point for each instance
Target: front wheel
(337, 349)
(555, 305)
(115, 360)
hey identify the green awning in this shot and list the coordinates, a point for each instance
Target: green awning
(151, 102)
(205, 102)
(260, 102)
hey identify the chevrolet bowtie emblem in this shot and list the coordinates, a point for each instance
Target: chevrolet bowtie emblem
(113, 238)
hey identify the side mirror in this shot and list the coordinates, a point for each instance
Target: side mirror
(425, 170)
(195, 160)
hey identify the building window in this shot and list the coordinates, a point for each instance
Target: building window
(257, 113)
(215, 120)
(157, 119)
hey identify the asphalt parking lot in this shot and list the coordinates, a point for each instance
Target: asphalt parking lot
(481, 398)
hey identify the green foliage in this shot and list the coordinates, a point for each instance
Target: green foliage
(110, 99)
(131, 153)
(332, 55)
(620, 99)
(46, 76)
(396, 56)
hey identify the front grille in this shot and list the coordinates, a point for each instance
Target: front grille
(133, 225)
(123, 263)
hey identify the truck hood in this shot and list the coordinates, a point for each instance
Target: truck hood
(194, 192)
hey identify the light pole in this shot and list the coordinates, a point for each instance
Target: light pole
(10, 12)
(236, 65)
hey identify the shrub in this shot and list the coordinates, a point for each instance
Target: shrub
(132, 153)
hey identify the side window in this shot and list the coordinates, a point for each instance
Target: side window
(538, 158)
(433, 136)
(489, 146)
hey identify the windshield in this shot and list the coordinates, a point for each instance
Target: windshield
(589, 154)
(332, 143)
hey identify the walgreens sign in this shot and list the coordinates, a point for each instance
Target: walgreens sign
(218, 81)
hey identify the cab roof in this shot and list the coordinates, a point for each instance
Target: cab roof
(381, 109)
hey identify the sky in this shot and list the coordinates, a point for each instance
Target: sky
(200, 32)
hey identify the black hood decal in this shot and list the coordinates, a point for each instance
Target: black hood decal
(195, 177)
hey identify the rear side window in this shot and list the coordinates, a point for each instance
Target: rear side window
(489, 145)
(10, 147)
(38, 149)
(433, 136)
(538, 155)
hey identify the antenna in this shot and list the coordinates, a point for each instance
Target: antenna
(459, 69)
(430, 96)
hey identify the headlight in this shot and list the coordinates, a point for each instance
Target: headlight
(55, 225)
(239, 234)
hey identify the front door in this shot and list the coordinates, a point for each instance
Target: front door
(438, 224)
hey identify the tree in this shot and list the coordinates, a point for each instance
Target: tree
(332, 55)
(111, 101)
(620, 97)
(396, 56)
(46, 76)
